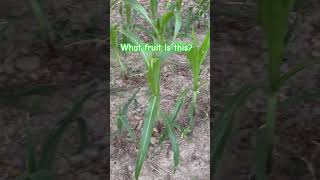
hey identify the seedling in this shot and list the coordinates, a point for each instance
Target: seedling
(196, 58)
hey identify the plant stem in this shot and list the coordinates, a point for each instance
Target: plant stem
(271, 117)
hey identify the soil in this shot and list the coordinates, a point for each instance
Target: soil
(240, 58)
(175, 76)
(74, 60)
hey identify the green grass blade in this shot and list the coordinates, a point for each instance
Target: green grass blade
(177, 26)
(128, 15)
(153, 76)
(170, 129)
(163, 137)
(188, 21)
(31, 163)
(140, 9)
(50, 146)
(154, 7)
(295, 100)
(265, 140)
(178, 5)
(261, 154)
(177, 109)
(174, 114)
(144, 29)
(223, 126)
(192, 109)
(37, 10)
(135, 40)
(148, 125)
(115, 48)
(83, 133)
(273, 17)
(284, 77)
(204, 47)
(124, 117)
(119, 120)
(165, 19)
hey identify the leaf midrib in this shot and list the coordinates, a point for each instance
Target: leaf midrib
(149, 122)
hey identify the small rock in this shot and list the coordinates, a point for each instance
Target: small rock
(28, 64)
(153, 140)
(130, 168)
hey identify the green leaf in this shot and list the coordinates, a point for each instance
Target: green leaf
(273, 17)
(154, 7)
(153, 76)
(83, 133)
(144, 29)
(261, 154)
(204, 47)
(37, 10)
(142, 11)
(148, 125)
(177, 26)
(165, 19)
(223, 125)
(191, 111)
(284, 77)
(170, 129)
(42, 175)
(174, 114)
(135, 40)
(124, 117)
(50, 146)
(294, 100)
(31, 157)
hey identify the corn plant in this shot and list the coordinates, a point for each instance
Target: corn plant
(115, 49)
(122, 118)
(273, 18)
(171, 125)
(152, 61)
(39, 168)
(196, 58)
(202, 8)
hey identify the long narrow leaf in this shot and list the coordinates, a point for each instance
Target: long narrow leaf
(170, 129)
(124, 117)
(284, 77)
(31, 158)
(177, 26)
(50, 146)
(174, 114)
(142, 11)
(134, 39)
(261, 154)
(223, 126)
(83, 133)
(148, 125)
